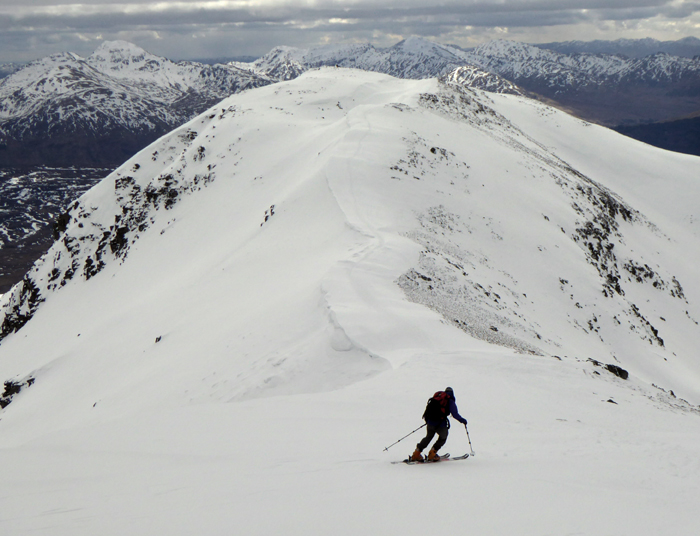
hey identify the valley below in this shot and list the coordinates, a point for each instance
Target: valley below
(31, 199)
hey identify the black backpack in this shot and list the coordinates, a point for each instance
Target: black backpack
(438, 407)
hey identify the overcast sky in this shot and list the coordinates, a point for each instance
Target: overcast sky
(190, 29)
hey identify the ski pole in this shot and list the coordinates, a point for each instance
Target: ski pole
(470, 440)
(404, 437)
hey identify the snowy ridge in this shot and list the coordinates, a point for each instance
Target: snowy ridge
(166, 80)
(239, 318)
(471, 77)
(451, 277)
(414, 58)
(115, 76)
(7, 69)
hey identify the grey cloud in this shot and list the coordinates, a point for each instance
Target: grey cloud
(255, 31)
(385, 17)
(559, 9)
(683, 10)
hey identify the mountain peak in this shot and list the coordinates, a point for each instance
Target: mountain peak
(119, 47)
(419, 45)
(415, 42)
(120, 56)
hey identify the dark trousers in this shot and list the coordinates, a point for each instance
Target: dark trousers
(441, 430)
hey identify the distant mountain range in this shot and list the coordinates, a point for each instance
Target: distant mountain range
(97, 111)
(607, 89)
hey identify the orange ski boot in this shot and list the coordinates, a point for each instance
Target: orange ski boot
(433, 456)
(416, 456)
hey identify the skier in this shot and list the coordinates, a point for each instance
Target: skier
(440, 406)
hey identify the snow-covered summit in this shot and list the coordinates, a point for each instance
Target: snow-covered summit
(605, 88)
(122, 59)
(118, 52)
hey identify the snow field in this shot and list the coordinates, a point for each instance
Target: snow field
(552, 456)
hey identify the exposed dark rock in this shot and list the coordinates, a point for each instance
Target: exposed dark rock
(617, 371)
(11, 389)
(118, 241)
(20, 311)
(614, 369)
(60, 225)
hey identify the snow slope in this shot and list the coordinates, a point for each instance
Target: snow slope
(235, 322)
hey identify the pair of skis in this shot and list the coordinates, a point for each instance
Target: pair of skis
(443, 458)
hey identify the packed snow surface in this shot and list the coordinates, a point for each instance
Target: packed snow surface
(234, 324)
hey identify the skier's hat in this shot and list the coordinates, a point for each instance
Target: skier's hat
(449, 391)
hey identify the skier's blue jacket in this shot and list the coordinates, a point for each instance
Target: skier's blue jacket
(455, 415)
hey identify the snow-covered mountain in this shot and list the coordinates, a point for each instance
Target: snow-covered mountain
(99, 110)
(233, 324)
(68, 110)
(473, 77)
(414, 57)
(609, 89)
